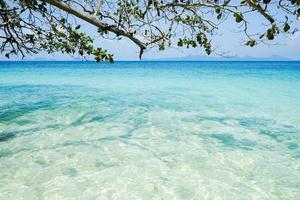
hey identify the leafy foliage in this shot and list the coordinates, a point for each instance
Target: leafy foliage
(30, 26)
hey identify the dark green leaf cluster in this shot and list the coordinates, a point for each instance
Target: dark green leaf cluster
(238, 17)
(71, 41)
(52, 34)
(200, 40)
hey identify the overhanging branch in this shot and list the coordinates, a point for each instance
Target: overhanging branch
(98, 7)
(92, 20)
(258, 8)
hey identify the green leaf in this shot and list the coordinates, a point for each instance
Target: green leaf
(270, 36)
(180, 43)
(238, 17)
(286, 27)
(251, 43)
(161, 47)
(261, 36)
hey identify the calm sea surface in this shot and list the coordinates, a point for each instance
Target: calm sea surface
(149, 130)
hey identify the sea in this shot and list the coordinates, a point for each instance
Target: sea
(149, 130)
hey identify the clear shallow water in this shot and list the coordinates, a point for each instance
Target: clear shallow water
(150, 130)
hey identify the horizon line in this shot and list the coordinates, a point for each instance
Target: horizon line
(151, 61)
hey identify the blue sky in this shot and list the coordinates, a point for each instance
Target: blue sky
(229, 41)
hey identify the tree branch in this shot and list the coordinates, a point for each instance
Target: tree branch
(95, 22)
(98, 7)
(261, 11)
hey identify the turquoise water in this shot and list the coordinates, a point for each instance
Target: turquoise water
(150, 130)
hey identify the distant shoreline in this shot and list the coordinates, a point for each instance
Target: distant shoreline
(91, 61)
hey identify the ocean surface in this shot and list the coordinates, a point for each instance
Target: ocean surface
(149, 130)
